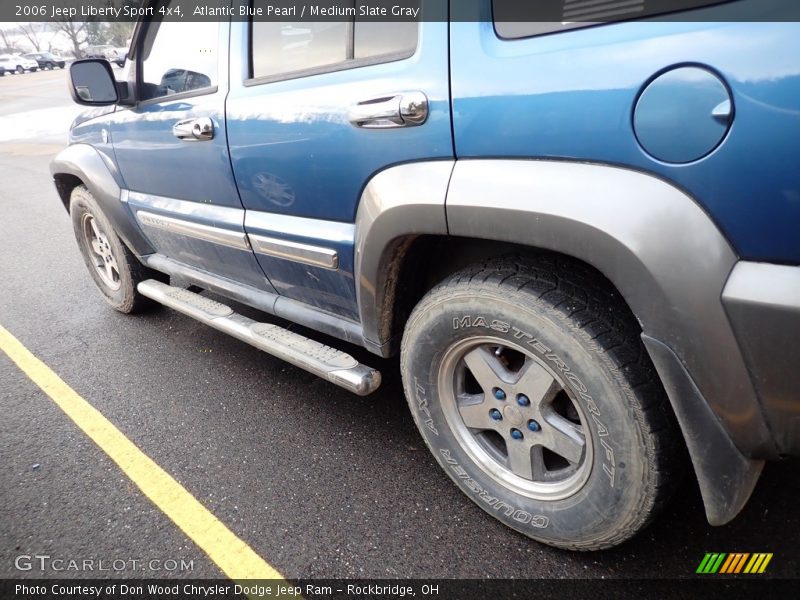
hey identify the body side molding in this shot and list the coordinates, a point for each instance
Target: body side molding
(308, 254)
(216, 235)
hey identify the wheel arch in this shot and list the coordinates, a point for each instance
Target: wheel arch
(652, 241)
(81, 164)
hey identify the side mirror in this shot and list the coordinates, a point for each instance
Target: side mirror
(92, 82)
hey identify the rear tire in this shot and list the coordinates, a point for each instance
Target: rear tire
(530, 384)
(20, 69)
(114, 269)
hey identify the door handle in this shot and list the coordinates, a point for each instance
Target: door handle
(388, 112)
(194, 130)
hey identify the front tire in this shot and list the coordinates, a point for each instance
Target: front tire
(530, 384)
(114, 269)
(20, 69)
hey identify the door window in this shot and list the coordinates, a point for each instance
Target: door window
(179, 58)
(285, 50)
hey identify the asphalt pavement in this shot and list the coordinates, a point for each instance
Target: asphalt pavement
(318, 482)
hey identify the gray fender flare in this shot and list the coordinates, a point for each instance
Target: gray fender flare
(397, 204)
(649, 238)
(670, 262)
(100, 175)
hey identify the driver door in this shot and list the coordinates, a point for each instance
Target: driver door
(172, 151)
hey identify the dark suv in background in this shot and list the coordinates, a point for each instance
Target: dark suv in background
(47, 60)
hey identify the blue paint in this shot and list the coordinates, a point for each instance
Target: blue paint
(571, 95)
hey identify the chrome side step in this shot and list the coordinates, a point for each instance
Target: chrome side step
(329, 363)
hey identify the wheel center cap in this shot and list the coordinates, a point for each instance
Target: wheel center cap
(513, 415)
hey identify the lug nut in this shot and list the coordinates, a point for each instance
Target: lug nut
(495, 415)
(534, 426)
(516, 434)
(499, 394)
(523, 400)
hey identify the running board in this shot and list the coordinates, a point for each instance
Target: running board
(329, 363)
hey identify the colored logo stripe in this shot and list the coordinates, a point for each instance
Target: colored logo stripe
(734, 563)
(711, 562)
(758, 564)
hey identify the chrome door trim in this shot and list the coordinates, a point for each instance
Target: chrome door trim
(304, 253)
(215, 235)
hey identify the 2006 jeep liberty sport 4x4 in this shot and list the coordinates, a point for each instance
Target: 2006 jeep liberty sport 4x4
(582, 239)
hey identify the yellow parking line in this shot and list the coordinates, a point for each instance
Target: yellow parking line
(234, 557)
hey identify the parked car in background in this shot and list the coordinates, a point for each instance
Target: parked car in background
(106, 52)
(16, 63)
(46, 60)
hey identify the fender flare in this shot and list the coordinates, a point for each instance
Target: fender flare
(100, 175)
(400, 202)
(650, 239)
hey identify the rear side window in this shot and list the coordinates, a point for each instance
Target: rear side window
(384, 39)
(284, 50)
(514, 19)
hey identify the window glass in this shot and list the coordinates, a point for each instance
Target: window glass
(515, 19)
(374, 38)
(287, 47)
(179, 57)
(283, 48)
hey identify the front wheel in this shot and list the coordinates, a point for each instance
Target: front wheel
(114, 269)
(20, 69)
(531, 386)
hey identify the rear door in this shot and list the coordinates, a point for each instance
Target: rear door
(172, 151)
(313, 115)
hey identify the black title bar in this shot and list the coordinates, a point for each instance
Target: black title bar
(429, 589)
(578, 11)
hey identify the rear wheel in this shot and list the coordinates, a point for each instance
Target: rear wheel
(49, 65)
(20, 69)
(530, 384)
(114, 269)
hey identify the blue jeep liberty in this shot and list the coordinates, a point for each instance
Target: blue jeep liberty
(581, 238)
